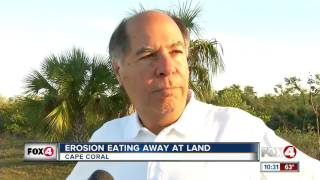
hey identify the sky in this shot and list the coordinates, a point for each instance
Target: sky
(263, 41)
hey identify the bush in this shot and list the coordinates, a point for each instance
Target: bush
(15, 119)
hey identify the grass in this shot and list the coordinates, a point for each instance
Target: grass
(306, 142)
(12, 165)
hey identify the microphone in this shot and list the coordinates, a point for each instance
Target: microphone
(100, 175)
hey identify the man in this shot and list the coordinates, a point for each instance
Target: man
(149, 54)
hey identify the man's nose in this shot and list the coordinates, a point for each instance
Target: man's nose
(165, 64)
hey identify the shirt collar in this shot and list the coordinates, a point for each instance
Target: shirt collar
(183, 125)
(133, 126)
(186, 122)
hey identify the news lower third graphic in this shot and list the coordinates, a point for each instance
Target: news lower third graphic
(271, 159)
(151, 151)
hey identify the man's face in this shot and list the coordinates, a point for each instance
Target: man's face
(154, 72)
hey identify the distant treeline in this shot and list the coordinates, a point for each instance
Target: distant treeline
(290, 107)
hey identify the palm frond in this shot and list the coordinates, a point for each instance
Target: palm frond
(188, 14)
(35, 82)
(101, 80)
(203, 91)
(133, 11)
(206, 53)
(59, 121)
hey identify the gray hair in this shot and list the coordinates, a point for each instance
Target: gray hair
(120, 43)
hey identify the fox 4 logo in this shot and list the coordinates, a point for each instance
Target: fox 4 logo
(47, 151)
(288, 152)
(40, 151)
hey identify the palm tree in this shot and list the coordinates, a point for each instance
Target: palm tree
(204, 56)
(76, 91)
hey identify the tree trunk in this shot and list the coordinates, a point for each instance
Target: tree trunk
(318, 133)
(79, 132)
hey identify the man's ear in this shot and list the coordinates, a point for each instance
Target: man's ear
(116, 69)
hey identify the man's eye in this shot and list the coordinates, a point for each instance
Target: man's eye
(177, 51)
(147, 56)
